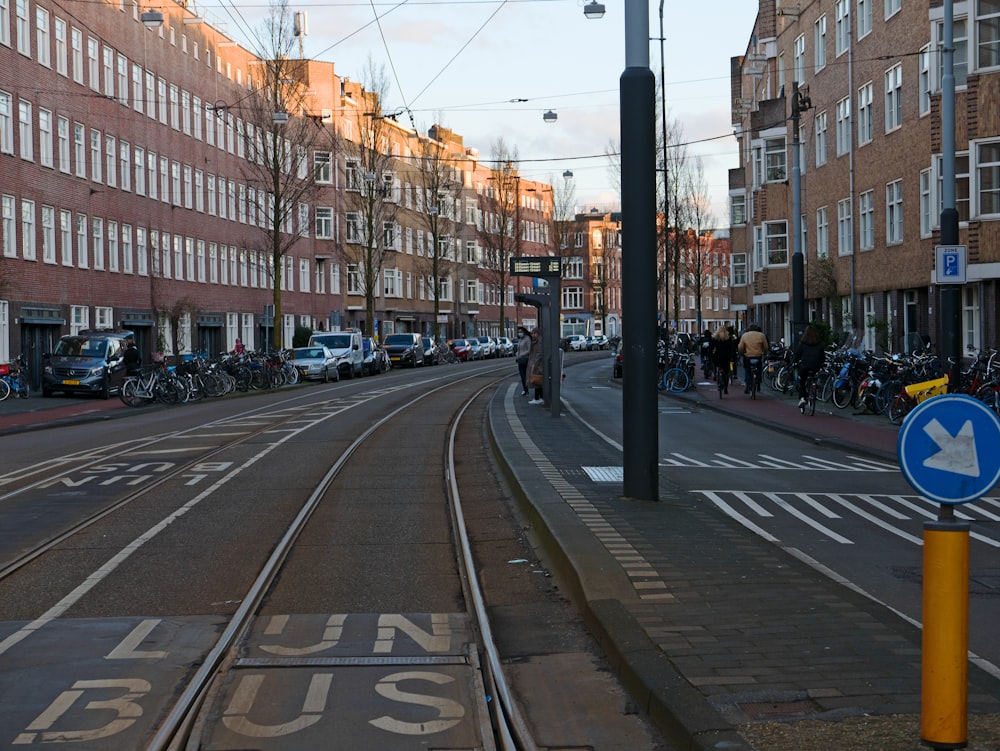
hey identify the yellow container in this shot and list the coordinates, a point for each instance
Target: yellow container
(927, 389)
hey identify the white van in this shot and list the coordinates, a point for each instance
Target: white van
(346, 347)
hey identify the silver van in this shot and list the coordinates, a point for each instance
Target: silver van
(346, 348)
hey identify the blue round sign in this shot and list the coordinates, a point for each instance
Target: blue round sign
(949, 448)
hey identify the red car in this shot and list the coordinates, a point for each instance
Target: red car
(463, 349)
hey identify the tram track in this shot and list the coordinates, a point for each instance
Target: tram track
(174, 729)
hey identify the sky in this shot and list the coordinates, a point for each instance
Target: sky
(492, 68)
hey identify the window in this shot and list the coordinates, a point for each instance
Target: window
(66, 236)
(353, 228)
(324, 223)
(820, 123)
(894, 98)
(7, 230)
(988, 178)
(80, 149)
(892, 7)
(799, 59)
(864, 18)
(775, 159)
(199, 191)
(42, 40)
(354, 279)
(352, 176)
(894, 212)
(924, 79)
(819, 44)
(776, 243)
(961, 186)
(125, 164)
(865, 113)
(109, 72)
(62, 51)
(822, 233)
(46, 143)
(113, 247)
(392, 282)
(196, 116)
(82, 256)
(127, 265)
(987, 33)
(842, 31)
(122, 71)
(926, 222)
(186, 112)
(141, 252)
(572, 298)
(970, 317)
(96, 156)
(28, 230)
(21, 27)
(25, 134)
(93, 64)
(843, 126)
(6, 123)
(65, 155)
(866, 216)
(48, 234)
(97, 235)
(137, 87)
(323, 166)
(175, 107)
(960, 60)
(738, 269)
(111, 155)
(76, 44)
(139, 157)
(738, 209)
(150, 95)
(5, 22)
(845, 229)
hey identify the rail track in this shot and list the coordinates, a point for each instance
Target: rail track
(212, 587)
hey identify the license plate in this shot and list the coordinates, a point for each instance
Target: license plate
(71, 383)
(394, 359)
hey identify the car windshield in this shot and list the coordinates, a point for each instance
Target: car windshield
(308, 352)
(338, 341)
(81, 347)
(399, 339)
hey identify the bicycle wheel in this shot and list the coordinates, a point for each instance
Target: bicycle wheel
(900, 407)
(723, 381)
(825, 390)
(127, 393)
(21, 388)
(843, 394)
(990, 396)
(811, 393)
(675, 380)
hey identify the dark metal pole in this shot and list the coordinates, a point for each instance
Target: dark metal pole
(638, 138)
(666, 176)
(950, 295)
(798, 274)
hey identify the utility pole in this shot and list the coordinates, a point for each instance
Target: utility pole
(800, 103)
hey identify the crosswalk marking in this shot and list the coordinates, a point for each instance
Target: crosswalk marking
(894, 514)
(772, 463)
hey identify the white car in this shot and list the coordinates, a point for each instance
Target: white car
(489, 348)
(576, 342)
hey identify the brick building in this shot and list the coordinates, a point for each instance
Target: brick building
(865, 77)
(591, 247)
(132, 194)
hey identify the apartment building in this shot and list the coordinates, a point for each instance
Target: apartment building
(699, 290)
(135, 194)
(856, 85)
(591, 248)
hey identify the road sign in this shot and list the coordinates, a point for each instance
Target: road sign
(947, 448)
(949, 264)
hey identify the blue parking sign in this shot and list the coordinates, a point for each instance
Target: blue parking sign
(949, 448)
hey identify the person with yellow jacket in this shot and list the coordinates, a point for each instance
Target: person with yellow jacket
(753, 346)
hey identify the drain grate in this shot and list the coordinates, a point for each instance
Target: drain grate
(761, 710)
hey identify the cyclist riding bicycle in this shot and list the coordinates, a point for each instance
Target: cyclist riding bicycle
(753, 345)
(808, 356)
(721, 350)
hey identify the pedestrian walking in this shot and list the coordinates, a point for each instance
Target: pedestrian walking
(523, 350)
(536, 371)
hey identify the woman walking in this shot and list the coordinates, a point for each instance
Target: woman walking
(523, 350)
(535, 369)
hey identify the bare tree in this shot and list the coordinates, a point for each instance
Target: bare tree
(676, 218)
(439, 185)
(372, 193)
(500, 235)
(698, 272)
(278, 138)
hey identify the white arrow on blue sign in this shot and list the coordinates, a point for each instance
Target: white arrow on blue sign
(949, 448)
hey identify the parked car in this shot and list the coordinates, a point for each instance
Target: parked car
(489, 348)
(375, 359)
(405, 350)
(476, 349)
(506, 345)
(90, 362)
(574, 342)
(316, 363)
(462, 349)
(346, 347)
(430, 351)
(598, 341)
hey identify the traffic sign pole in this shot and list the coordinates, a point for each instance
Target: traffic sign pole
(945, 649)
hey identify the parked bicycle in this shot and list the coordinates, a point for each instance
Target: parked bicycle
(14, 379)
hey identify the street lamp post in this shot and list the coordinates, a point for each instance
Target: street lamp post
(638, 139)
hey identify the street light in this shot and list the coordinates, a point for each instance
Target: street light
(568, 174)
(550, 117)
(151, 19)
(637, 114)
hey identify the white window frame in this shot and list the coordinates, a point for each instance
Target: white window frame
(819, 44)
(866, 125)
(894, 212)
(866, 220)
(894, 98)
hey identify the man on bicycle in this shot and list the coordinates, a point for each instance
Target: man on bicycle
(808, 356)
(753, 345)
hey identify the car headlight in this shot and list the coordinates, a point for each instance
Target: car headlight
(97, 371)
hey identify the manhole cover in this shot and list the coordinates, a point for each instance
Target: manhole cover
(760, 710)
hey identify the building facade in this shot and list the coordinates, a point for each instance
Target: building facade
(850, 91)
(135, 192)
(591, 247)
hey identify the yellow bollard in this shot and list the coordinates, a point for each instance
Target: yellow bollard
(945, 664)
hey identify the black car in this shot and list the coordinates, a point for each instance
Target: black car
(405, 350)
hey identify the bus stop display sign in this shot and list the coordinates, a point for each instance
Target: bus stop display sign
(543, 266)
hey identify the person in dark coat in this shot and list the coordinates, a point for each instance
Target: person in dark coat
(808, 355)
(132, 358)
(722, 351)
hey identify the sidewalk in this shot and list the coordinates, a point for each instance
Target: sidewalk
(18, 415)
(710, 626)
